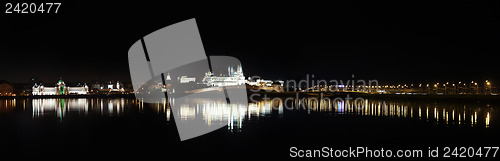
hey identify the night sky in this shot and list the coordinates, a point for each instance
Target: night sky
(389, 42)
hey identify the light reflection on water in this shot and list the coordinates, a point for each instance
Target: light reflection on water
(442, 113)
(216, 111)
(61, 107)
(475, 115)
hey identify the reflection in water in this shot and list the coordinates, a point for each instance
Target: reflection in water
(62, 107)
(216, 111)
(441, 113)
(7, 105)
(59, 107)
(435, 113)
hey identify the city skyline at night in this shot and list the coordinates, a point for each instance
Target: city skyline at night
(250, 80)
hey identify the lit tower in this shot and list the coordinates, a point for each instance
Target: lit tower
(61, 87)
(168, 76)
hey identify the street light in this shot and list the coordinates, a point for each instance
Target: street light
(445, 87)
(477, 88)
(458, 87)
(471, 87)
(486, 88)
(465, 86)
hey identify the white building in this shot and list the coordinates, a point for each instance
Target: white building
(78, 90)
(232, 79)
(260, 82)
(59, 89)
(110, 87)
(185, 79)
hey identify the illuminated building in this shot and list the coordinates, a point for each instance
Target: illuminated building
(185, 79)
(234, 77)
(111, 87)
(260, 82)
(59, 89)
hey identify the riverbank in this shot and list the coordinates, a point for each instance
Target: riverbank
(343, 95)
(73, 96)
(354, 95)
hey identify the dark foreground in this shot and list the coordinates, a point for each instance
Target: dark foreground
(148, 134)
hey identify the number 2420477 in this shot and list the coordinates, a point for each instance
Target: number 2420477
(32, 7)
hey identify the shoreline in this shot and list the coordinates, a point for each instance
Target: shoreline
(262, 94)
(73, 96)
(354, 95)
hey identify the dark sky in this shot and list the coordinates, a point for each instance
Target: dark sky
(390, 42)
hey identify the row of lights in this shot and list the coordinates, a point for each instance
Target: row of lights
(488, 83)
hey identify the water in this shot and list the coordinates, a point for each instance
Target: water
(445, 113)
(269, 127)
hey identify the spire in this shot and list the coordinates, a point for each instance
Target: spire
(240, 70)
(60, 82)
(168, 76)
